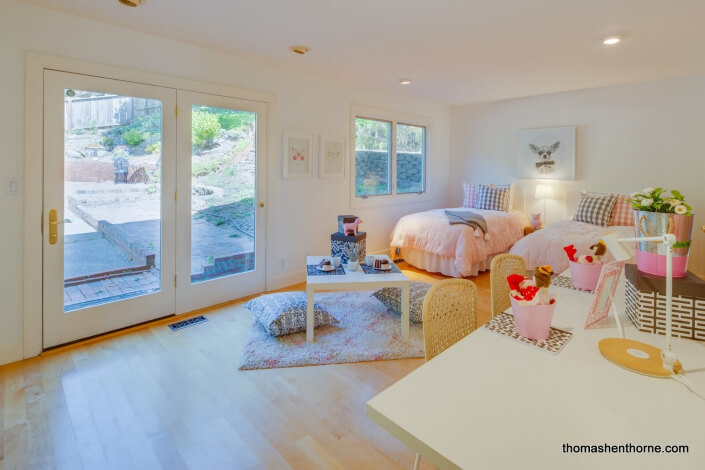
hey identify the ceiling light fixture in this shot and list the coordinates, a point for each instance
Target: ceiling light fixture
(405, 81)
(611, 40)
(299, 49)
(132, 3)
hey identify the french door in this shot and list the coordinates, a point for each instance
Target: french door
(146, 214)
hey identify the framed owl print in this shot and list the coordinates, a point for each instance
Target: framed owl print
(297, 155)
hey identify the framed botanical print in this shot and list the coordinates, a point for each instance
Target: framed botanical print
(297, 155)
(332, 157)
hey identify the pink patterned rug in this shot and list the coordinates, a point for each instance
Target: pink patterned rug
(366, 332)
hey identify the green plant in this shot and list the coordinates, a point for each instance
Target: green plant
(205, 127)
(654, 200)
(108, 143)
(133, 137)
(153, 148)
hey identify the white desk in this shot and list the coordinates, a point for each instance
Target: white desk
(490, 402)
(355, 280)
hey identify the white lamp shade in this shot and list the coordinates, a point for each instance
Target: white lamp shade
(543, 191)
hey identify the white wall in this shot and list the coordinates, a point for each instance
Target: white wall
(305, 212)
(628, 138)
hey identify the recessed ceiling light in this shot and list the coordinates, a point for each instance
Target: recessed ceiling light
(299, 49)
(132, 3)
(405, 81)
(611, 40)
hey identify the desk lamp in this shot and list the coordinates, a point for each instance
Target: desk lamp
(634, 355)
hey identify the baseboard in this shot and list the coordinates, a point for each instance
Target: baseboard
(10, 353)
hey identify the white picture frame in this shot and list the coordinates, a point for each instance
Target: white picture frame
(297, 155)
(332, 157)
(547, 153)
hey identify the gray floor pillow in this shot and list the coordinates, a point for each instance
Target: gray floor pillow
(391, 298)
(285, 313)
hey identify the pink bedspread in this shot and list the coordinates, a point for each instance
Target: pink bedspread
(430, 231)
(545, 246)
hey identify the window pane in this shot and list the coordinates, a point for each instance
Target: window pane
(223, 162)
(112, 197)
(411, 158)
(372, 157)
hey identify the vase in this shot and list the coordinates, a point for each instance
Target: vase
(650, 256)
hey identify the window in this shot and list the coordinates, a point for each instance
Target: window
(390, 156)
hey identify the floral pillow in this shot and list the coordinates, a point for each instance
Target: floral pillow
(285, 313)
(391, 298)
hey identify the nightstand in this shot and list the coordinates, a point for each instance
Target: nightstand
(529, 229)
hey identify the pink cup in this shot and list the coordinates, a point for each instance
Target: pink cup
(585, 276)
(533, 321)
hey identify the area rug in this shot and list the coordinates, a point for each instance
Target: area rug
(367, 332)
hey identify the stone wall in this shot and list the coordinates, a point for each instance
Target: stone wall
(372, 167)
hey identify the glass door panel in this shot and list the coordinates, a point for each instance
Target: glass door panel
(112, 197)
(223, 184)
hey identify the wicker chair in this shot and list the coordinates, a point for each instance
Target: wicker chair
(501, 267)
(449, 314)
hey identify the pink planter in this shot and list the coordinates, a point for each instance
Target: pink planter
(585, 276)
(653, 263)
(532, 321)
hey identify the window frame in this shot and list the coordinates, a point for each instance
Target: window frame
(395, 118)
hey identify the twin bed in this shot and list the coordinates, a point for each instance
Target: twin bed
(428, 241)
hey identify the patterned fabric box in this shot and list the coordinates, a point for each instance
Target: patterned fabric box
(338, 242)
(646, 303)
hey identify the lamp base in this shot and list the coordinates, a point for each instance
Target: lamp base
(636, 356)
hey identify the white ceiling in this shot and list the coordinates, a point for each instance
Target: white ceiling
(456, 51)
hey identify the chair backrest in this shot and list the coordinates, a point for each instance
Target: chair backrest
(501, 267)
(449, 314)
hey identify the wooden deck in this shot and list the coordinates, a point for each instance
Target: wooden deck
(110, 290)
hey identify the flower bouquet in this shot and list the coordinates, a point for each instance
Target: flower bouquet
(532, 304)
(657, 213)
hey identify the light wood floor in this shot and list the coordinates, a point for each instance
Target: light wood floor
(149, 398)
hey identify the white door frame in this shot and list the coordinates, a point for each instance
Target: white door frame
(35, 64)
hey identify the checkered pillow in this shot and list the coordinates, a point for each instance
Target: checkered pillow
(595, 210)
(469, 195)
(622, 214)
(493, 198)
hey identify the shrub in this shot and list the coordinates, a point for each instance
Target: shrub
(205, 127)
(133, 137)
(229, 121)
(153, 148)
(108, 143)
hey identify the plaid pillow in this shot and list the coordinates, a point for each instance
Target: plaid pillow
(622, 214)
(594, 209)
(493, 198)
(469, 195)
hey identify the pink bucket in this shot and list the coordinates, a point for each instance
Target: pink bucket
(585, 276)
(533, 321)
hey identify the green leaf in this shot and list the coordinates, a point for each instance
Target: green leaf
(676, 194)
(682, 244)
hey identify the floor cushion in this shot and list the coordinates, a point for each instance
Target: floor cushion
(391, 298)
(285, 312)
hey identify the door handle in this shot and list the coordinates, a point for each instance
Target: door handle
(53, 227)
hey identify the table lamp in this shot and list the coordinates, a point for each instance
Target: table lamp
(634, 355)
(544, 191)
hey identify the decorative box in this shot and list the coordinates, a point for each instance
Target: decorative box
(646, 303)
(339, 243)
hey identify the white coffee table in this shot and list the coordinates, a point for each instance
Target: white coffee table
(354, 280)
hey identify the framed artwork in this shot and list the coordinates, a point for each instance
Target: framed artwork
(297, 155)
(604, 293)
(332, 157)
(547, 153)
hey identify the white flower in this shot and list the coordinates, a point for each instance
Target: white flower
(681, 209)
(648, 190)
(673, 202)
(647, 202)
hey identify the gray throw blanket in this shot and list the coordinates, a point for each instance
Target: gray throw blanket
(471, 219)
